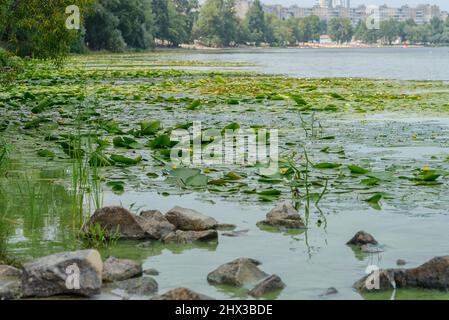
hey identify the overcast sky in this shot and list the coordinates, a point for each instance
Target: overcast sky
(444, 4)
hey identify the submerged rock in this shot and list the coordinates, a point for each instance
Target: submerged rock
(72, 273)
(190, 220)
(270, 284)
(128, 225)
(184, 237)
(401, 262)
(362, 238)
(143, 286)
(369, 248)
(433, 274)
(234, 234)
(120, 269)
(330, 291)
(237, 273)
(182, 294)
(284, 215)
(151, 272)
(10, 283)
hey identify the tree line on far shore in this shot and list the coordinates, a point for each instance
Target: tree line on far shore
(32, 29)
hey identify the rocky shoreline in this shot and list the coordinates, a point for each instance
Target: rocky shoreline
(83, 273)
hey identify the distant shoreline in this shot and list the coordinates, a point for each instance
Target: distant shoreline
(300, 46)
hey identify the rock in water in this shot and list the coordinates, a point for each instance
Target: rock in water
(270, 284)
(157, 225)
(433, 274)
(128, 225)
(381, 280)
(190, 220)
(284, 215)
(143, 286)
(184, 237)
(182, 294)
(362, 238)
(10, 283)
(120, 269)
(401, 262)
(73, 273)
(237, 273)
(331, 291)
(151, 272)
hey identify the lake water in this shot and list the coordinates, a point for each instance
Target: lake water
(384, 63)
(411, 226)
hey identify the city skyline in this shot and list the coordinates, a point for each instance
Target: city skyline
(444, 4)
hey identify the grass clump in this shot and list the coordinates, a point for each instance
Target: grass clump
(96, 236)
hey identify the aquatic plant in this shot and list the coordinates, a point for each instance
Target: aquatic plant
(96, 236)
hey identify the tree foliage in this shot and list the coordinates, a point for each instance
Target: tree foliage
(30, 28)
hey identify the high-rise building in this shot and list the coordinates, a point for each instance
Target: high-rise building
(341, 3)
(325, 3)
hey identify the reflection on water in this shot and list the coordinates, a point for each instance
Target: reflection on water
(36, 215)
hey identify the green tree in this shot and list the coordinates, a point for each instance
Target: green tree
(340, 30)
(389, 31)
(217, 24)
(161, 19)
(255, 23)
(31, 28)
(102, 27)
(362, 33)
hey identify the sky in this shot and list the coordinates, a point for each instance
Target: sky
(444, 4)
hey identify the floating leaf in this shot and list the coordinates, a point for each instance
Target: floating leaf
(194, 105)
(160, 142)
(357, 170)
(374, 201)
(327, 165)
(149, 128)
(45, 153)
(126, 142)
(233, 176)
(125, 160)
(298, 100)
(118, 187)
(197, 181)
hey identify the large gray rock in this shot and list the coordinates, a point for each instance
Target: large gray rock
(284, 215)
(158, 225)
(72, 273)
(270, 284)
(433, 274)
(182, 294)
(185, 237)
(362, 238)
(120, 269)
(237, 273)
(190, 220)
(10, 283)
(128, 225)
(143, 286)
